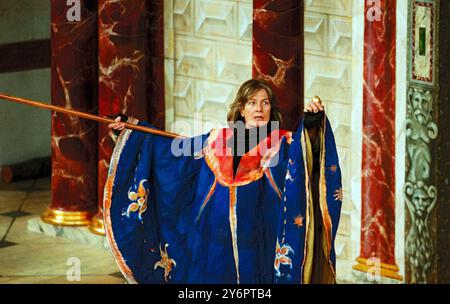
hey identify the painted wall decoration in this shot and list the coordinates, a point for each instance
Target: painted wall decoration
(421, 194)
(420, 191)
(422, 48)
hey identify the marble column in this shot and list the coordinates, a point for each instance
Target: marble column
(377, 249)
(73, 140)
(278, 53)
(131, 73)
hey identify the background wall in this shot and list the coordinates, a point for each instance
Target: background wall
(24, 131)
(208, 54)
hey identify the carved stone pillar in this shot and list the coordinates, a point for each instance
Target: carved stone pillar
(427, 143)
(442, 163)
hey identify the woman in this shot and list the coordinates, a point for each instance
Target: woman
(253, 204)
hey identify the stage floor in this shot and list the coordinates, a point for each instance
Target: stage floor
(29, 257)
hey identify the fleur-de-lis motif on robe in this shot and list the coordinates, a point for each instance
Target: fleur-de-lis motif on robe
(139, 200)
(281, 257)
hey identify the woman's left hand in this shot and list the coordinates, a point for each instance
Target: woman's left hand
(315, 105)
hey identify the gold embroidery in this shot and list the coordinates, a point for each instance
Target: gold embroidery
(165, 263)
(208, 197)
(326, 219)
(272, 183)
(309, 233)
(281, 257)
(233, 228)
(139, 200)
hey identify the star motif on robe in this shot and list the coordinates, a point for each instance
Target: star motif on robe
(298, 221)
(338, 195)
(289, 176)
(333, 168)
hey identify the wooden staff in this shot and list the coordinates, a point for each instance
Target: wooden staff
(85, 115)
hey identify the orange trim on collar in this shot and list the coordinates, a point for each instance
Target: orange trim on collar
(219, 157)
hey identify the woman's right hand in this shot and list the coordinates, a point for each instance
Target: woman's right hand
(117, 125)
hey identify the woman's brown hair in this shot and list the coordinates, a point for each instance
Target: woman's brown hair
(246, 90)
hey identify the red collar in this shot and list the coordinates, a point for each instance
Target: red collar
(253, 163)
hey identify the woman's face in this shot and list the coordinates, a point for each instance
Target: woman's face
(256, 111)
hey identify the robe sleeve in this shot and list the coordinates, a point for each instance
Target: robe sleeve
(148, 193)
(313, 120)
(295, 240)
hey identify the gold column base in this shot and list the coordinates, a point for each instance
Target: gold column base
(386, 270)
(97, 224)
(66, 218)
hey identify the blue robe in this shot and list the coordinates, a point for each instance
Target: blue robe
(184, 218)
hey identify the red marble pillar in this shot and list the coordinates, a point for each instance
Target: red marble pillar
(74, 140)
(278, 53)
(378, 151)
(131, 73)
